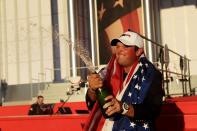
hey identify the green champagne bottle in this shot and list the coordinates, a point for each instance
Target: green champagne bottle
(101, 94)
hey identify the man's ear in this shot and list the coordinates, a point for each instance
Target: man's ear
(139, 52)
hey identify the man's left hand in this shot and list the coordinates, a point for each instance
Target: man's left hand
(113, 106)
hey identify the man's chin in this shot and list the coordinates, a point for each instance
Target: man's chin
(121, 63)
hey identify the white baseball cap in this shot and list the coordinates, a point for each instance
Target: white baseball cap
(129, 38)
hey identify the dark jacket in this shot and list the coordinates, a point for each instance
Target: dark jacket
(37, 109)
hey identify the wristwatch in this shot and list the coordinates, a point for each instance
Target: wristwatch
(125, 108)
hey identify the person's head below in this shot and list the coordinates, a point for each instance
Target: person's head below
(40, 100)
(129, 47)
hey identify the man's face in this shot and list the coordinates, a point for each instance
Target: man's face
(125, 56)
(40, 100)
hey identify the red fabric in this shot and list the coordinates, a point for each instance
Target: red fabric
(100, 119)
(131, 72)
(131, 21)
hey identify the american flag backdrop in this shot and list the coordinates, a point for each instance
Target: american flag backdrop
(114, 18)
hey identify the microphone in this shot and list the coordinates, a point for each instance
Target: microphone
(63, 103)
(70, 93)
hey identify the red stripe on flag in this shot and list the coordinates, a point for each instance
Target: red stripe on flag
(131, 21)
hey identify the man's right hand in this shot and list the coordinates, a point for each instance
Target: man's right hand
(94, 81)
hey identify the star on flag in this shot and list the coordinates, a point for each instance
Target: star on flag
(137, 87)
(134, 76)
(101, 12)
(143, 79)
(132, 124)
(129, 94)
(142, 71)
(145, 126)
(140, 64)
(119, 2)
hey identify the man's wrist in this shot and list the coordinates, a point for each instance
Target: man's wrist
(125, 108)
(130, 112)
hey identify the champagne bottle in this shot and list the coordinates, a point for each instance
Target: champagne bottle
(101, 94)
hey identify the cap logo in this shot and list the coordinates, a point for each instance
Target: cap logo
(126, 35)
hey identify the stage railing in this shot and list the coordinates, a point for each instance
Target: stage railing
(183, 73)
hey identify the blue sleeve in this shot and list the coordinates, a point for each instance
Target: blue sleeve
(151, 107)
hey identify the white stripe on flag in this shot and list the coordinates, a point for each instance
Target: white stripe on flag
(114, 30)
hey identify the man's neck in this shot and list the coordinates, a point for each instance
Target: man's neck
(127, 69)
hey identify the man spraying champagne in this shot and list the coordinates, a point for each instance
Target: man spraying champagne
(135, 86)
